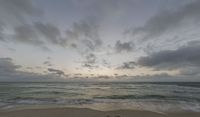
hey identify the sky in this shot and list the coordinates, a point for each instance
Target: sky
(120, 40)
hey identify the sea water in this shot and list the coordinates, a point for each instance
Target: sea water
(159, 96)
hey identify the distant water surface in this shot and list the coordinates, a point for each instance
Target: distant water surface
(160, 97)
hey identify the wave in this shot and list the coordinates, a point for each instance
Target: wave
(146, 95)
(159, 97)
(34, 100)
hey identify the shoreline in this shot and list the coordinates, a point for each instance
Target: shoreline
(85, 112)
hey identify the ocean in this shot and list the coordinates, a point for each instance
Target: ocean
(158, 97)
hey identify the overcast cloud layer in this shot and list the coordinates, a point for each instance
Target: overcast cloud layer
(100, 39)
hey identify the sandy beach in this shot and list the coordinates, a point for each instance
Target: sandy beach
(81, 112)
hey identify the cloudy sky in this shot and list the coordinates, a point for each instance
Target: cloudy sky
(155, 40)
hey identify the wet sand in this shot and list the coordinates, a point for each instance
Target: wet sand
(80, 112)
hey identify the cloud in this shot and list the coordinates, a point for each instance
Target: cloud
(105, 63)
(17, 11)
(11, 49)
(126, 46)
(103, 77)
(7, 67)
(48, 63)
(17, 16)
(39, 34)
(170, 59)
(50, 32)
(127, 65)
(1, 31)
(85, 35)
(91, 58)
(13, 13)
(190, 71)
(160, 77)
(90, 62)
(168, 20)
(9, 71)
(73, 45)
(56, 71)
(27, 34)
(90, 66)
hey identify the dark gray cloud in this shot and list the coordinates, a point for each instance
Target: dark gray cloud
(169, 59)
(39, 34)
(127, 65)
(105, 63)
(78, 74)
(56, 71)
(27, 34)
(168, 20)
(103, 77)
(9, 71)
(190, 71)
(7, 66)
(18, 16)
(16, 11)
(13, 13)
(160, 77)
(85, 35)
(90, 66)
(73, 45)
(90, 62)
(50, 32)
(48, 63)
(1, 31)
(126, 46)
(91, 58)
